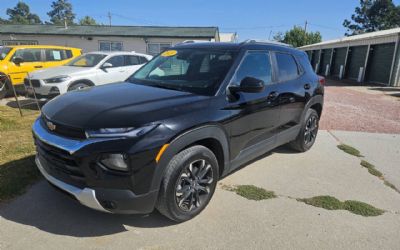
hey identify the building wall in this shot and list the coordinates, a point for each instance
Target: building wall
(87, 45)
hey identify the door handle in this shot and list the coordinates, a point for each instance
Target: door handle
(38, 67)
(307, 86)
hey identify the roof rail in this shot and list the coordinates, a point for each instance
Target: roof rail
(266, 41)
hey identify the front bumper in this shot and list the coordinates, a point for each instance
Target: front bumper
(86, 196)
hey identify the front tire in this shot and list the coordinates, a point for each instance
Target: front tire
(308, 132)
(78, 86)
(189, 183)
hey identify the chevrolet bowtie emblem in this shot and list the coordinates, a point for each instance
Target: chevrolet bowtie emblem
(51, 126)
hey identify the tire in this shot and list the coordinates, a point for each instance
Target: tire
(308, 132)
(4, 87)
(179, 182)
(77, 86)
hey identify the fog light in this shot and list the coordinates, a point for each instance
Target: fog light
(115, 162)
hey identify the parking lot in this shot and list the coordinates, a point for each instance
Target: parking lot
(46, 218)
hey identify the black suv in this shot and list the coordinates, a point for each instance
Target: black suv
(190, 116)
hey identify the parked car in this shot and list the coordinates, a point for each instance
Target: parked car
(166, 136)
(95, 68)
(17, 61)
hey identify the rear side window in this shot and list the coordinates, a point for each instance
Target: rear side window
(132, 60)
(68, 53)
(287, 67)
(55, 55)
(257, 65)
(143, 60)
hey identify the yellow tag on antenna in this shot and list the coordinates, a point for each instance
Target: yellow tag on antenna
(169, 53)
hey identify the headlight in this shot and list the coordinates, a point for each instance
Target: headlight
(119, 132)
(115, 161)
(57, 79)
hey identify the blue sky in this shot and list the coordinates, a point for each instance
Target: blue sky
(250, 18)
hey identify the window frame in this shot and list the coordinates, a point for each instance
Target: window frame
(19, 42)
(111, 42)
(159, 46)
(126, 60)
(42, 54)
(300, 70)
(272, 62)
(62, 51)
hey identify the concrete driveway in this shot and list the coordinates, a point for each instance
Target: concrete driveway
(45, 219)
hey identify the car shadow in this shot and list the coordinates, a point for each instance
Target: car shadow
(48, 210)
(28, 104)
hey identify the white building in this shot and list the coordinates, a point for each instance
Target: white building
(228, 37)
(144, 39)
(371, 57)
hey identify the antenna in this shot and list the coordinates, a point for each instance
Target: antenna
(109, 18)
(305, 27)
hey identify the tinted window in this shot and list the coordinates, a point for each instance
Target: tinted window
(143, 60)
(69, 53)
(199, 71)
(287, 67)
(257, 65)
(116, 61)
(4, 52)
(55, 55)
(29, 55)
(132, 60)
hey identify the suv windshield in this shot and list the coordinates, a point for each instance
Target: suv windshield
(4, 52)
(88, 60)
(198, 71)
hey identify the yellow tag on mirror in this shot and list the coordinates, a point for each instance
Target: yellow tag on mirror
(169, 53)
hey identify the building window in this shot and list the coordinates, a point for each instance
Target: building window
(19, 42)
(110, 46)
(156, 48)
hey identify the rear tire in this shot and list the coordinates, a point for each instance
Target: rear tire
(308, 132)
(189, 183)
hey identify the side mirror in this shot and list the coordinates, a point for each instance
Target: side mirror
(107, 65)
(18, 60)
(249, 85)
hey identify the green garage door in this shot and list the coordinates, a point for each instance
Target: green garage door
(339, 56)
(380, 63)
(315, 58)
(325, 60)
(356, 60)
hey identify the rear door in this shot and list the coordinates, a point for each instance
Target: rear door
(291, 89)
(32, 60)
(132, 64)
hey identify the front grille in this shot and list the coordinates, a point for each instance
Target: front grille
(59, 164)
(35, 83)
(63, 130)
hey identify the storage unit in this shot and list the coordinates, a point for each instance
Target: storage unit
(377, 53)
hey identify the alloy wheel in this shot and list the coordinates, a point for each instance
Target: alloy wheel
(311, 130)
(194, 184)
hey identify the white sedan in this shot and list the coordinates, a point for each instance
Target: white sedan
(94, 68)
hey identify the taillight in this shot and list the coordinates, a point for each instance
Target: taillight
(321, 80)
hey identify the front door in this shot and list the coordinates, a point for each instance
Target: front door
(31, 61)
(256, 115)
(115, 73)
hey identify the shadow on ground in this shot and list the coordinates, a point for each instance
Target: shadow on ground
(47, 209)
(28, 104)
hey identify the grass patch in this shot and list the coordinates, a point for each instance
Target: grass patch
(371, 168)
(349, 149)
(250, 192)
(391, 186)
(17, 167)
(331, 203)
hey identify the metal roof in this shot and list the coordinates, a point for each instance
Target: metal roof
(103, 30)
(348, 39)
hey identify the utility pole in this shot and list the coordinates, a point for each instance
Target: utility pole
(109, 18)
(305, 27)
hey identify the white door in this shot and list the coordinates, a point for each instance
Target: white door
(133, 63)
(115, 72)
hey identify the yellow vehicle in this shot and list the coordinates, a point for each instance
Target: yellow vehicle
(17, 61)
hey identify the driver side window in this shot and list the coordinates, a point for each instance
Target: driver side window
(116, 61)
(28, 55)
(256, 64)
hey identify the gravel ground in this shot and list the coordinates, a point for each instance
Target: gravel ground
(365, 109)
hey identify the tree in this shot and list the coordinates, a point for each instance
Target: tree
(87, 20)
(298, 37)
(373, 15)
(21, 14)
(61, 11)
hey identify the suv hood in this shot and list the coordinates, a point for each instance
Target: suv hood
(120, 105)
(58, 71)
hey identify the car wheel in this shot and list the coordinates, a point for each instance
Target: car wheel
(189, 183)
(4, 86)
(78, 86)
(308, 132)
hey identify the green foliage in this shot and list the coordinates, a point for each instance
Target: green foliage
(21, 14)
(373, 15)
(298, 37)
(371, 168)
(331, 203)
(253, 193)
(61, 11)
(349, 149)
(87, 20)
